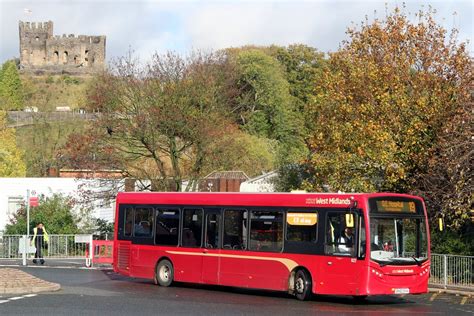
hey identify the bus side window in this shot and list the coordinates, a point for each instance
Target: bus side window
(235, 232)
(192, 228)
(128, 222)
(212, 230)
(302, 227)
(167, 227)
(143, 222)
(266, 231)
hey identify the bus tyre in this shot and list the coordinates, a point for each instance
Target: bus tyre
(303, 285)
(164, 273)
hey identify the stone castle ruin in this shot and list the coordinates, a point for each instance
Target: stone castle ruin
(42, 52)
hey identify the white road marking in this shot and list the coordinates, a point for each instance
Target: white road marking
(16, 298)
(30, 295)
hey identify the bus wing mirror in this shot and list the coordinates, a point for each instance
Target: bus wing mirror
(441, 224)
(350, 220)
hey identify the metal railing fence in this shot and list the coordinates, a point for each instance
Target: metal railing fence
(58, 247)
(452, 271)
(10, 247)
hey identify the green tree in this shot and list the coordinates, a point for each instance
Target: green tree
(11, 157)
(55, 212)
(241, 151)
(264, 106)
(104, 229)
(11, 92)
(452, 242)
(381, 103)
(292, 177)
(265, 100)
(302, 65)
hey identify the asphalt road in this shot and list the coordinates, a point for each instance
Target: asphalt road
(102, 292)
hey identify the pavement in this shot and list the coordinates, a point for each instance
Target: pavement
(14, 281)
(463, 292)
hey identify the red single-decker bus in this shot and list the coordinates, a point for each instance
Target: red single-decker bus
(342, 244)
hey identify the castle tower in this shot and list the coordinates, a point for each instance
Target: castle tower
(41, 52)
(33, 37)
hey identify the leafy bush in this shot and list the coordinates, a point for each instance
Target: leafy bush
(71, 80)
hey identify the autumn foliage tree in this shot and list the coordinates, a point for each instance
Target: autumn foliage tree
(448, 181)
(382, 102)
(11, 157)
(168, 119)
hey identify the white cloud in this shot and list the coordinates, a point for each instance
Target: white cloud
(260, 24)
(320, 24)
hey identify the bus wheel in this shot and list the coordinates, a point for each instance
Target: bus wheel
(164, 273)
(303, 285)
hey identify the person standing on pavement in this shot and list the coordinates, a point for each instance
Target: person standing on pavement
(40, 238)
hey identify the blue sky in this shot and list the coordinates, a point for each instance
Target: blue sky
(157, 26)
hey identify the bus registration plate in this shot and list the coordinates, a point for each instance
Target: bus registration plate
(402, 291)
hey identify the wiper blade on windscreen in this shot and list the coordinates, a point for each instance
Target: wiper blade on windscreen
(383, 264)
(417, 262)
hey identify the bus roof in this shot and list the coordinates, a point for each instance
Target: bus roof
(250, 199)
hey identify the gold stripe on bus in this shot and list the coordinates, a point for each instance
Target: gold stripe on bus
(288, 263)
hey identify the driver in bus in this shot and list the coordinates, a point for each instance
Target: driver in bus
(345, 242)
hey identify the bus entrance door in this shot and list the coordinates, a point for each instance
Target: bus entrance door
(339, 270)
(339, 275)
(211, 251)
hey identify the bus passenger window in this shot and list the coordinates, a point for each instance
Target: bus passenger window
(143, 222)
(128, 223)
(302, 227)
(167, 227)
(192, 228)
(235, 229)
(266, 231)
(212, 230)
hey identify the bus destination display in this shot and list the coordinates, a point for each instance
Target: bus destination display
(396, 206)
